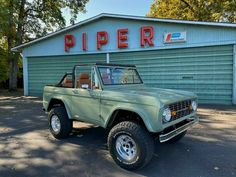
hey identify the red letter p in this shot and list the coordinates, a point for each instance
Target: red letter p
(102, 38)
(69, 42)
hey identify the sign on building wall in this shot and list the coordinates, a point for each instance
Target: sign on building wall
(102, 38)
(174, 37)
(147, 38)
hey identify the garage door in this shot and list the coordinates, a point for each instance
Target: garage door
(207, 71)
(49, 70)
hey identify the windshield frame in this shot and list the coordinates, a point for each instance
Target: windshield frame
(122, 67)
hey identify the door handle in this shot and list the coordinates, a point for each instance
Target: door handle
(106, 103)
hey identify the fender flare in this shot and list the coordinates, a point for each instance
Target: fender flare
(64, 103)
(139, 113)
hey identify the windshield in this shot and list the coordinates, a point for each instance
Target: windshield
(119, 75)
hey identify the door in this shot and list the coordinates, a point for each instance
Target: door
(86, 96)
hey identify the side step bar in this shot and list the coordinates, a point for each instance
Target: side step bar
(165, 137)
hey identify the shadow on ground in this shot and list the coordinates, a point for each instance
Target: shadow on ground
(28, 149)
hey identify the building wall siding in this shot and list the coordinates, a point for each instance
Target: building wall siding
(50, 70)
(207, 71)
(203, 64)
(196, 35)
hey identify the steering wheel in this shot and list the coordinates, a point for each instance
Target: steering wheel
(124, 80)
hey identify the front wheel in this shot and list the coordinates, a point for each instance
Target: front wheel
(130, 145)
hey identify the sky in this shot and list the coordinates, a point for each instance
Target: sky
(126, 7)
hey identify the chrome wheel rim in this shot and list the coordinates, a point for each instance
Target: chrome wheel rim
(55, 123)
(126, 147)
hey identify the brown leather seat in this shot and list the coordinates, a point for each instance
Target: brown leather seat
(67, 82)
(83, 80)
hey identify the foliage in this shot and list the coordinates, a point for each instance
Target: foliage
(197, 10)
(23, 20)
(39, 17)
(3, 60)
(3, 65)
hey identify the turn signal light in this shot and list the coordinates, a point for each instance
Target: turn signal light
(173, 113)
(190, 108)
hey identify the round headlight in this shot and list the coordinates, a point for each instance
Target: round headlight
(194, 105)
(166, 115)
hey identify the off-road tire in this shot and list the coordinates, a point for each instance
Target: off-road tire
(177, 138)
(143, 140)
(66, 123)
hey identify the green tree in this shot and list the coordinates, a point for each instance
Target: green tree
(3, 59)
(3, 65)
(22, 20)
(197, 10)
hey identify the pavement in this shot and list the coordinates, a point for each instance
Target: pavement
(28, 149)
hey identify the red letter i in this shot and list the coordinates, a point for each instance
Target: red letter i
(84, 41)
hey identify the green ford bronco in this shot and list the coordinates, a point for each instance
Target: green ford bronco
(114, 97)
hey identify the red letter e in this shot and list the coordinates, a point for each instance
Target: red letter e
(122, 37)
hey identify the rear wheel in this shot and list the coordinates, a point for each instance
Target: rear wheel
(59, 124)
(130, 145)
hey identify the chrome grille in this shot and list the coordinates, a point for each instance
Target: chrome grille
(181, 109)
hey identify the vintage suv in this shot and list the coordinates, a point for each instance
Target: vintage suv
(114, 97)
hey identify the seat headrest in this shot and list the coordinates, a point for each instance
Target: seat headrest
(84, 76)
(67, 80)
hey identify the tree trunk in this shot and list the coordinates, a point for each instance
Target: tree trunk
(13, 67)
(13, 58)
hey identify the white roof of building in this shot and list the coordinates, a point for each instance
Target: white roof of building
(129, 17)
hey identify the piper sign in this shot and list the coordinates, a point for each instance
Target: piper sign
(174, 37)
(102, 38)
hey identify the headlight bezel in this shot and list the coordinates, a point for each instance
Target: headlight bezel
(166, 115)
(171, 116)
(194, 105)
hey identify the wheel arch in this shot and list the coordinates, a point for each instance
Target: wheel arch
(57, 102)
(124, 114)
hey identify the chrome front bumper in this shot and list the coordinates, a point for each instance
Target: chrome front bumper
(167, 136)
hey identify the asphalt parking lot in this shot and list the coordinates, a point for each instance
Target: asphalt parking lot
(27, 148)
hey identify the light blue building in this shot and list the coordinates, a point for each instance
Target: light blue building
(176, 54)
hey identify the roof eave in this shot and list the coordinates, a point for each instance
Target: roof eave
(19, 47)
